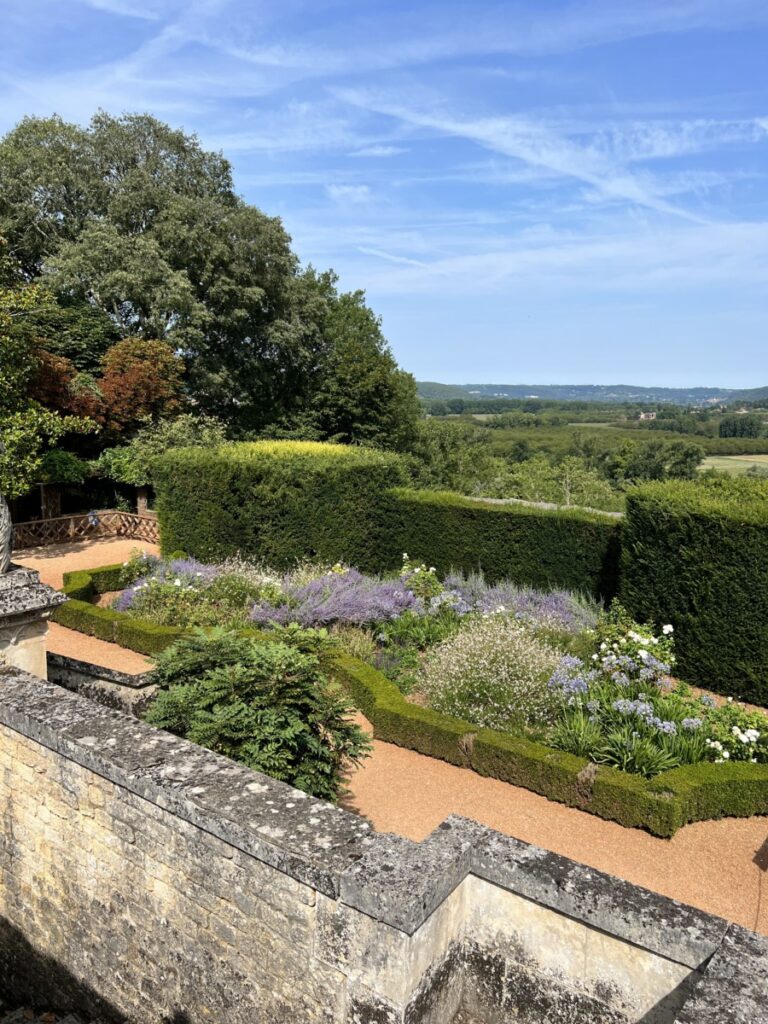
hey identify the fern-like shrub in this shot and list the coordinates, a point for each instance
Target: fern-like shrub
(267, 705)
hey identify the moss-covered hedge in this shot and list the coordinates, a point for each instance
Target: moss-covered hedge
(544, 548)
(274, 500)
(115, 627)
(696, 555)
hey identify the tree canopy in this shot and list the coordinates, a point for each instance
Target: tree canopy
(139, 233)
(26, 426)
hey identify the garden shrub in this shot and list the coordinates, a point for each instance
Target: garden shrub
(696, 555)
(542, 548)
(266, 705)
(494, 673)
(145, 637)
(275, 500)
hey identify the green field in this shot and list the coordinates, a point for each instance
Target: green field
(735, 464)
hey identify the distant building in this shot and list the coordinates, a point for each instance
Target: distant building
(647, 415)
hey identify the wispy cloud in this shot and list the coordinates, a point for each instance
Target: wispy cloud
(127, 9)
(378, 150)
(392, 257)
(348, 193)
(533, 143)
(689, 257)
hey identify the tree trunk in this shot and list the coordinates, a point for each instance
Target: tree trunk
(50, 501)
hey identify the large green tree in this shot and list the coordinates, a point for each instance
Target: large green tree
(137, 221)
(358, 393)
(27, 428)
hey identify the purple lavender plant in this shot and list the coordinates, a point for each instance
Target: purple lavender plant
(557, 609)
(347, 598)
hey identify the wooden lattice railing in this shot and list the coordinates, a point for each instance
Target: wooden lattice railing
(65, 529)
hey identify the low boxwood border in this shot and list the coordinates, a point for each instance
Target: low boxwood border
(78, 613)
(661, 805)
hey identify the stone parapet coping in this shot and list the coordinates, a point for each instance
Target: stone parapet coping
(22, 593)
(390, 879)
(63, 663)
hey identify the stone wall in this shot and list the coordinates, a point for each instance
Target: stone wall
(123, 691)
(146, 879)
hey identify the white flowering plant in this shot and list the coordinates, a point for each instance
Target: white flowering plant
(738, 734)
(616, 632)
(421, 579)
(493, 673)
(622, 708)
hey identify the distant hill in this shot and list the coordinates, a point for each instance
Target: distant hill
(592, 393)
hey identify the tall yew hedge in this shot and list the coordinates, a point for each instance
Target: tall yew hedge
(284, 500)
(274, 500)
(536, 547)
(696, 555)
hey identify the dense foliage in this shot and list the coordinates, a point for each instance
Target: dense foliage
(139, 233)
(132, 463)
(536, 547)
(286, 501)
(275, 500)
(268, 705)
(27, 428)
(493, 673)
(622, 708)
(695, 555)
(544, 458)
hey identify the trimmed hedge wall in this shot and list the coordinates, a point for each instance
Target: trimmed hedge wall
(696, 555)
(280, 501)
(544, 548)
(274, 500)
(661, 805)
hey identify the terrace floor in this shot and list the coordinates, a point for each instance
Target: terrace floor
(719, 866)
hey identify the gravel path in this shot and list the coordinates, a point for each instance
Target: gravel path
(719, 866)
(51, 562)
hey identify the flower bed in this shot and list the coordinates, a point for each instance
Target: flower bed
(661, 802)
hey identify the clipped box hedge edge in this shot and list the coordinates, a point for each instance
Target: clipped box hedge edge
(115, 627)
(661, 805)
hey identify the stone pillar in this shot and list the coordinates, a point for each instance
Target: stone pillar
(26, 604)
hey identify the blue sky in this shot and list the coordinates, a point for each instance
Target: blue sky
(531, 191)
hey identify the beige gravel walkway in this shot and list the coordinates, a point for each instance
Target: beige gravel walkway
(51, 562)
(719, 866)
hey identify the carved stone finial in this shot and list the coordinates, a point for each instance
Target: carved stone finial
(6, 531)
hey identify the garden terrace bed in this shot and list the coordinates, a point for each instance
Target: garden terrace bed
(661, 805)
(81, 614)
